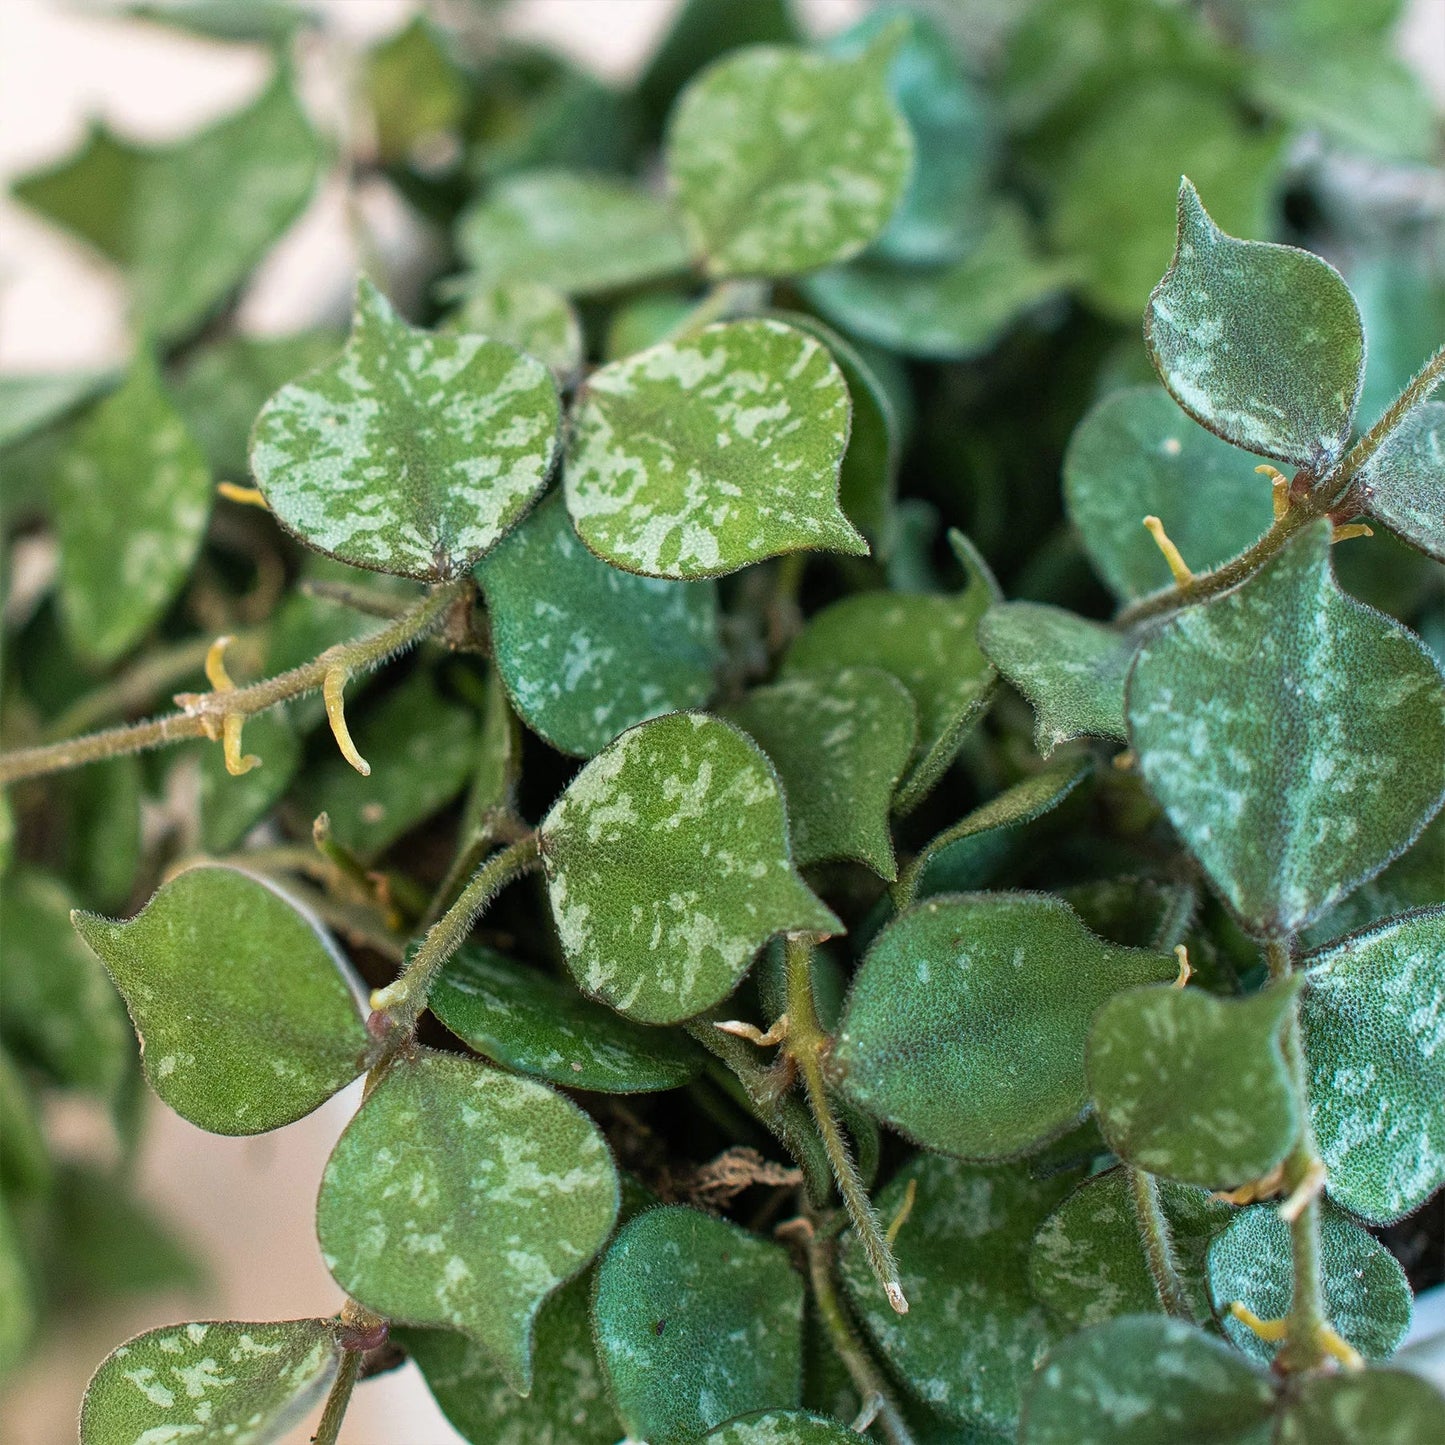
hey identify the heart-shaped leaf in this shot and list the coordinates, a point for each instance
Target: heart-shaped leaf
(221, 1380)
(587, 650)
(530, 315)
(840, 742)
(928, 642)
(1366, 1295)
(668, 868)
(1260, 343)
(1140, 1380)
(1371, 1013)
(781, 1427)
(460, 1196)
(1403, 484)
(1071, 670)
(784, 161)
(1374, 1407)
(966, 1025)
(241, 1001)
(413, 452)
(526, 1020)
(698, 456)
(973, 1333)
(1088, 1265)
(1134, 456)
(696, 1321)
(132, 495)
(576, 231)
(1193, 1087)
(1252, 716)
(568, 1403)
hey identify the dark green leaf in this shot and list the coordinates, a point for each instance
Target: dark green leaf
(668, 867)
(25, 1167)
(233, 804)
(696, 1321)
(698, 456)
(243, 1383)
(413, 452)
(242, 1004)
(105, 830)
(1193, 1087)
(1371, 1015)
(1378, 1407)
(781, 1427)
(1287, 382)
(587, 650)
(17, 1302)
(498, 762)
(1292, 735)
(526, 1020)
(530, 315)
(967, 1021)
(461, 1197)
(1403, 484)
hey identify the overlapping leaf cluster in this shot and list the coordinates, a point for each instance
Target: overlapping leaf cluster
(928, 1010)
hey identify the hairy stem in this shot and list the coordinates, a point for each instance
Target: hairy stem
(328, 1432)
(1416, 390)
(203, 714)
(1158, 1245)
(806, 1042)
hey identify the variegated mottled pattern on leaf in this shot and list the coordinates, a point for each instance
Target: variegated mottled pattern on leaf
(1375, 1407)
(1403, 484)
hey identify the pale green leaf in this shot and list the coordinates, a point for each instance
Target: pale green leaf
(535, 1024)
(1134, 456)
(415, 92)
(1292, 735)
(698, 456)
(973, 1332)
(242, 1004)
(1377, 1407)
(966, 1025)
(587, 650)
(696, 1321)
(132, 495)
(413, 452)
(840, 742)
(1366, 1296)
(461, 1197)
(1374, 1032)
(1403, 484)
(781, 1427)
(530, 315)
(247, 1384)
(1260, 343)
(31, 402)
(576, 231)
(1193, 1087)
(668, 868)
(784, 161)
(18, 1313)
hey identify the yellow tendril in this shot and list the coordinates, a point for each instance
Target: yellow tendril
(1186, 969)
(1342, 1350)
(1125, 762)
(246, 496)
(1280, 485)
(231, 723)
(1178, 568)
(332, 690)
(1270, 1330)
(1351, 529)
(1255, 1190)
(753, 1034)
(904, 1210)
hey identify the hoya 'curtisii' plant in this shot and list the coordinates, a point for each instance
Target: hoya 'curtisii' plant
(1048, 1091)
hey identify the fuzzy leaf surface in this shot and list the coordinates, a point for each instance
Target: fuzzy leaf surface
(1403, 484)
(1192, 1087)
(461, 1197)
(413, 452)
(1293, 736)
(967, 1021)
(585, 649)
(698, 456)
(1260, 343)
(696, 1321)
(781, 1427)
(1377, 1407)
(240, 1000)
(668, 867)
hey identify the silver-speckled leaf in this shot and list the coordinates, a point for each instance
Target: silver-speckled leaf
(668, 868)
(132, 495)
(1293, 736)
(412, 452)
(1366, 1295)
(577, 231)
(1375, 1407)
(585, 649)
(1403, 484)
(1071, 670)
(460, 1196)
(696, 1321)
(1193, 1087)
(785, 160)
(241, 1001)
(1260, 343)
(1373, 1015)
(246, 1384)
(1140, 1380)
(530, 315)
(781, 1427)
(966, 1025)
(695, 457)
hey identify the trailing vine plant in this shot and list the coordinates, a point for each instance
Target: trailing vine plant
(818, 1059)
